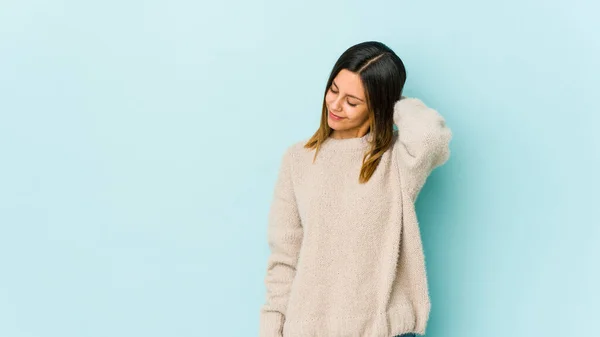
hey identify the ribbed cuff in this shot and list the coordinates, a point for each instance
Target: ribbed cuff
(271, 324)
(422, 317)
(406, 106)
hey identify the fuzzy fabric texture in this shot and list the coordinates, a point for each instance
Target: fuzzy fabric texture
(347, 258)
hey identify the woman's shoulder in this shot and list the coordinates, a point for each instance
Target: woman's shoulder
(296, 149)
(300, 146)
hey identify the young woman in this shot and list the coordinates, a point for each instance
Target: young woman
(346, 253)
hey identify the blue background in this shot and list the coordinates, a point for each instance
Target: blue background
(140, 141)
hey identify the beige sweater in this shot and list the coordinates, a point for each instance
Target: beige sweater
(346, 258)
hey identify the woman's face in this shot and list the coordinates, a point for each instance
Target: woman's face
(347, 105)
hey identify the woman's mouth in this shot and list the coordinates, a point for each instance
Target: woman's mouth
(334, 116)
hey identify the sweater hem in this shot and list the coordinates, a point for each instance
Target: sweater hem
(395, 321)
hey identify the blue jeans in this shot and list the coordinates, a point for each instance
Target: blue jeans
(410, 334)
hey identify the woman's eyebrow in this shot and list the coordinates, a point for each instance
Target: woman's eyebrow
(360, 99)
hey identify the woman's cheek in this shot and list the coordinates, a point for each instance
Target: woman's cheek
(328, 98)
(351, 111)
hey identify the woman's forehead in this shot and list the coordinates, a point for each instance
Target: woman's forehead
(350, 83)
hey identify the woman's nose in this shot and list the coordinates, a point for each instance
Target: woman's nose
(335, 104)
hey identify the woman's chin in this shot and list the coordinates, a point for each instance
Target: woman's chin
(333, 124)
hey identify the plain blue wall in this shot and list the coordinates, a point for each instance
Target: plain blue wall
(140, 141)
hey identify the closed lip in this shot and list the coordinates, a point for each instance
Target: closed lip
(336, 116)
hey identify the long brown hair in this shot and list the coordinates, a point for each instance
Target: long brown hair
(383, 76)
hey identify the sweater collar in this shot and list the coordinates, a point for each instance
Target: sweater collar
(355, 143)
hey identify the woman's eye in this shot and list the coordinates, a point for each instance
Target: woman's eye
(352, 105)
(333, 91)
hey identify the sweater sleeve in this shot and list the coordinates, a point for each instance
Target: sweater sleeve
(424, 140)
(284, 236)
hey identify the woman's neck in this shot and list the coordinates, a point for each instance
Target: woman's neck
(346, 134)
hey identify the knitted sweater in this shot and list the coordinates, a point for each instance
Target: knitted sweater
(347, 258)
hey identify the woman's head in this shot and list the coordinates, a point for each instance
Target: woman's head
(363, 86)
(359, 97)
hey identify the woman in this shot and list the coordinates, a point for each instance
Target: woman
(346, 253)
